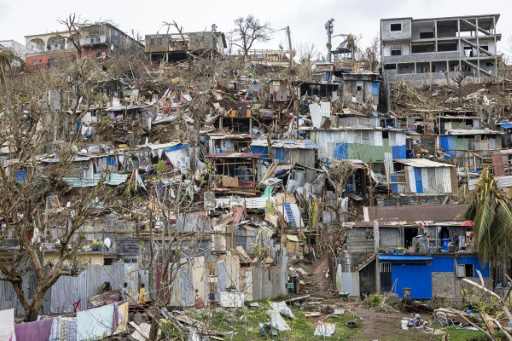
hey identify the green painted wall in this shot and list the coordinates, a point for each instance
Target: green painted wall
(461, 143)
(368, 153)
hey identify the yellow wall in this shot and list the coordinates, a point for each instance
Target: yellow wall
(91, 258)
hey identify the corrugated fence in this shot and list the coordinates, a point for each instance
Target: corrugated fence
(67, 290)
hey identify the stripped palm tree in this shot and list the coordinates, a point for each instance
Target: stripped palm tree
(350, 43)
(491, 212)
(5, 65)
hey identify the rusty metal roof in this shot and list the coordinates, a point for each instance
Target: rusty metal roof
(235, 155)
(411, 214)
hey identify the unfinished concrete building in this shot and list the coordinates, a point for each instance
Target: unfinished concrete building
(417, 50)
(174, 47)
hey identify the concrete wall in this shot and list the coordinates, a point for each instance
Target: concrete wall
(447, 288)
(423, 79)
(390, 238)
(387, 34)
(420, 57)
(395, 46)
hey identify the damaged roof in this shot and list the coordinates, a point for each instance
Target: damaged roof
(288, 144)
(412, 214)
(234, 155)
(422, 163)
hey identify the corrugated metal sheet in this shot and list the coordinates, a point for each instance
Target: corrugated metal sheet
(112, 179)
(418, 179)
(350, 283)
(443, 264)
(235, 155)
(502, 181)
(247, 202)
(319, 111)
(399, 152)
(423, 163)
(448, 143)
(67, 290)
(412, 214)
(416, 277)
(497, 163)
(404, 258)
(476, 264)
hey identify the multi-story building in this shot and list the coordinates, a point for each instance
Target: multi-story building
(174, 47)
(418, 49)
(12, 45)
(98, 41)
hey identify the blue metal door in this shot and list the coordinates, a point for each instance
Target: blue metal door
(417, 177)
(416, 277)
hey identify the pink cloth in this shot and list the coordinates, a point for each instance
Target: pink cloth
(34, 331)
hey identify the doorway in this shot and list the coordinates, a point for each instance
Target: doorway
(409, 234)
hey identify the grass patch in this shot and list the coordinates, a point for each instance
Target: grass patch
(245, 323)
(454, 334)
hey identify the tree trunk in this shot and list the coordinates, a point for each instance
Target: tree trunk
(35, 306)
(153, 332)
(504, 263)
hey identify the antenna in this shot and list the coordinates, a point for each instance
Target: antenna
(329, 28)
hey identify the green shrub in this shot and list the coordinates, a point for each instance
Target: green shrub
(375, 300)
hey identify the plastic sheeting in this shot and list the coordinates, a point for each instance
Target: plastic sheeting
(95, 324)
(282, 308)
(7, 325)
(325, 329)
(277, 321)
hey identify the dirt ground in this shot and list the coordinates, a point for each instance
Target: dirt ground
(375, 325)
(319, 284)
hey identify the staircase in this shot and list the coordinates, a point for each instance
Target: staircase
(360, 253)
(289, 214)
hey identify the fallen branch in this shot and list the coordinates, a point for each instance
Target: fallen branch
(456, 312)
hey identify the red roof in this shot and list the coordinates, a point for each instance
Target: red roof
(239, 211)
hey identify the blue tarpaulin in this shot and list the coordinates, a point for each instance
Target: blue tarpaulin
(506, 125)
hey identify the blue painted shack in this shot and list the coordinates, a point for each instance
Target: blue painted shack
(436, 274)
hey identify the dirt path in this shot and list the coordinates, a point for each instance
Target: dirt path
(320, 285)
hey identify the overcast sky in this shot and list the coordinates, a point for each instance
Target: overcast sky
(306, 18)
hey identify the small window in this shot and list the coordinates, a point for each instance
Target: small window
(489, 64)
(390, 67)
(396, 27)
(426, 35)
(465, 270)
(108, 261)
(397, 52)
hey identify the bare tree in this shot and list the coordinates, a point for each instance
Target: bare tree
(249, 30)
(25, 189)
(73, 27)
(372, 53)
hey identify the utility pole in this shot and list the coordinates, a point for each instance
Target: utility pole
(289, 44)
(214, 40)
(329, 28)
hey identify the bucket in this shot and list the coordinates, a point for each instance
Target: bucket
(406, 292)
(445, 243)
